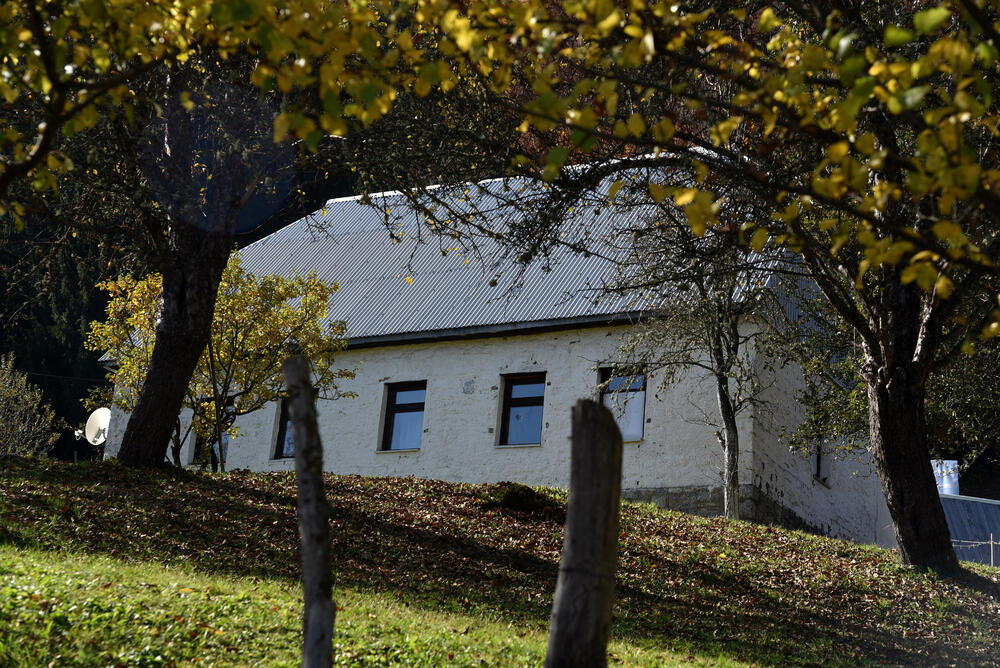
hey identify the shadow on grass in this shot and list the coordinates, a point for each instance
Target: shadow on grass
(434, 545)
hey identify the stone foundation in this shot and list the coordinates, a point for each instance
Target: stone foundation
(706, 501)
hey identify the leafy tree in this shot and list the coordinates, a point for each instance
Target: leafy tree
(703, 295)
(66, 62)
(869, 130)
(959, 406)
(177, 184)
(257, 320)
(29, 423)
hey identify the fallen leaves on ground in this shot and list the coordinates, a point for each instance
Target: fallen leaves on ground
(709, 586)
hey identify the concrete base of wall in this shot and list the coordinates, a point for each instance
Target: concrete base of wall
(706, 501)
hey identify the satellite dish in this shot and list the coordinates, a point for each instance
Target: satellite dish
(97, 426)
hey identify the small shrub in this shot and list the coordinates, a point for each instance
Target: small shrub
(29, 424)
(521, 498)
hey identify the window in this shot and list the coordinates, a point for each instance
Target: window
(284, 446)
(625, 396)
(404, 416)
(820, 465)
(521, 421)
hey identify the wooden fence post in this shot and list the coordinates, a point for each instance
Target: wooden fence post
(319, 610)
(585, 591)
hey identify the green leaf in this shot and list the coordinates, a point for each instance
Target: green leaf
(557, 157)
(930, 20)
(851, 68)
(896, 36)
(908, 99)
(987, 53)
(243, 12)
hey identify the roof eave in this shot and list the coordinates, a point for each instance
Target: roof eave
(501, 329)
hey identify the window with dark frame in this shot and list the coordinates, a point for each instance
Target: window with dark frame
(404, 416)
(625, 396)
(521, 420)
(820, 464)
(284, 446)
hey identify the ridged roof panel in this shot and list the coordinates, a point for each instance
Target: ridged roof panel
(372, 250)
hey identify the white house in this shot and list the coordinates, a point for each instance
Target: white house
(467, 371)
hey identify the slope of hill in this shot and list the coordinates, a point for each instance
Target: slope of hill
(704, 590)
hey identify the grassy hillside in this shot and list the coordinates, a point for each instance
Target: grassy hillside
(432, 572)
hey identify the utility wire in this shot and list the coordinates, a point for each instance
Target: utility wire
(54, 375)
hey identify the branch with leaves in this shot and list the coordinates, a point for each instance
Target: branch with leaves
(257, 321)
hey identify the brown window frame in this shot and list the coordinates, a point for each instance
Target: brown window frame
(392, 408)
(509, 401)
(283, 425)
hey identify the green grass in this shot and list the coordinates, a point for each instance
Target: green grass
(65, 609)
(102, 565)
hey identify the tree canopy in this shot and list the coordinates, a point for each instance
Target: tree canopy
(257, 321)
(866, 133)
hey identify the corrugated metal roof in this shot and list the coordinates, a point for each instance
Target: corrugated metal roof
(454, 285)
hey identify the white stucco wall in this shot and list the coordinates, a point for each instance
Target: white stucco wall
(460, 437)
(116, 429)
(845, 502)
(462, 412)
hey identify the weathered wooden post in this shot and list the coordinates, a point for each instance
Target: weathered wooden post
(585, 591)
(319, 610)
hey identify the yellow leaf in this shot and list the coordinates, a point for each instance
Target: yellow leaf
(768, 21)
(685, 196)
(722, 131)
(636, 125)
(615, 187)
(657, 192)
(947, 230)
(836, 152)
(664, 130)
(280, 127)
(943, 287)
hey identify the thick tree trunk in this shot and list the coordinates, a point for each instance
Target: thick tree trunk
(319, 611)
(190, 285)
(903, 463)
(729, 439)
(585, 592)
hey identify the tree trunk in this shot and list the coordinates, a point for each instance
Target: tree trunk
(729, 438)
(319, 611)
(585, 592)
(903, 463)
(175, 443)
(190, 285)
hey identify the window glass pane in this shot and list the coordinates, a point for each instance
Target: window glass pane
(410, 396)
(406, 428)
(526, 390)
(288, 447)
(525, 425)
(629, 412)
(624, 383)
